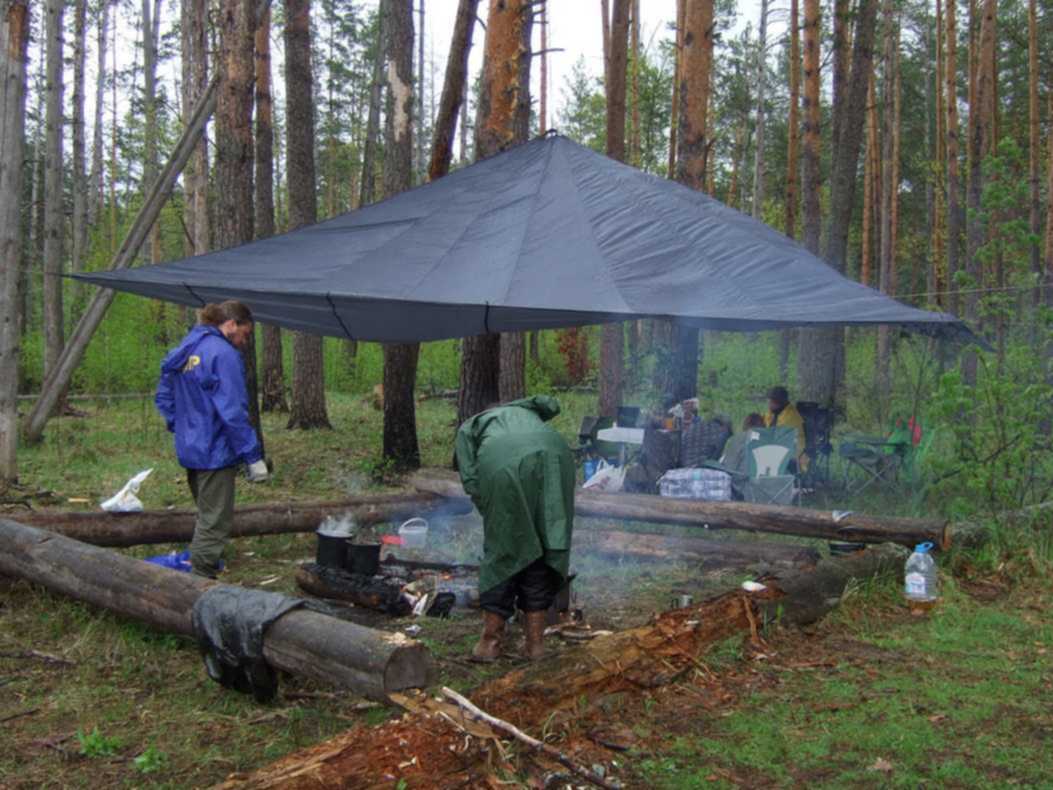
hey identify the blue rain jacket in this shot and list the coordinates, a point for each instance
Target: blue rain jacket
(203, 398)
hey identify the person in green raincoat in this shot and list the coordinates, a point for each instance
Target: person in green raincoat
(520, 474)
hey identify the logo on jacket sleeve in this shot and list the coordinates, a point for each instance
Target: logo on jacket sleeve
(192, 362)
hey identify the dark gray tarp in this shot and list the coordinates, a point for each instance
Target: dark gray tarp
(547, 234)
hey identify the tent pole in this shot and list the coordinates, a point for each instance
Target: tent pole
(73, 353)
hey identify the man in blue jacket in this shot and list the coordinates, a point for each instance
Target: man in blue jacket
(204, 401)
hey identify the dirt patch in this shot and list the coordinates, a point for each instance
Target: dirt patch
(985, 590)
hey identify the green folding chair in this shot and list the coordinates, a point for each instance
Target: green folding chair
(879, 458)
(770, 453)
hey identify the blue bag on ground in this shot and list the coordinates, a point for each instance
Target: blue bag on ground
(176, 560)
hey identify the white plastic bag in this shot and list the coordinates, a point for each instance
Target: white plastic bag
(125, 500)
(607, 477)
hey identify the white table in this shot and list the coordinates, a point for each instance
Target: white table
(621, 435)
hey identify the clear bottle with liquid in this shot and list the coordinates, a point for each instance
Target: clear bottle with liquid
(920, 583)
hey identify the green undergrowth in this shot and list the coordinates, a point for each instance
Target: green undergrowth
(959, 698)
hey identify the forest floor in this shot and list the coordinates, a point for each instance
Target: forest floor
(871, 696)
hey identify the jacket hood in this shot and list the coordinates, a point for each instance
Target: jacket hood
(544, 406)
(176, 359)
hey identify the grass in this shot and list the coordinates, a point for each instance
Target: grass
(958, 699)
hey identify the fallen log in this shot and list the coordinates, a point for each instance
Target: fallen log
(642, 546)
(803, 597)
(645, 657)
(371, 592)
(177, 526)
(648, 656)
(800, 521)
(369, 662)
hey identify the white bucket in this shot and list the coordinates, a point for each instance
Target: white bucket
(414, 533)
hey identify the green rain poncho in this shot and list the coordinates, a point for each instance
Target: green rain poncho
(519, 472)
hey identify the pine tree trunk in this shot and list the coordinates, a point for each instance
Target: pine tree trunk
(1048, 268)
(841, 54)
(793, 125)
(400, 360)
(889, 189)
(308, 409)
(612, 345)
(820, 361)
(376, 96)
(1034, 153)
(954, 218)
(14, 32)
(54, 213)
(981, 144)
(195, 81)
(235, 220)
(80, 174)
(512, 365)
(419, 91)
(937, 279)
(113, 135)
(272, 390)
(503, 120)
(737, 152)
(454, 87)
(870, 158)
(787, 336)
(635, 152)
(96, 194)
(811, 173)
(693, 146)
(151, 27)
(762, 77)
(678, 61)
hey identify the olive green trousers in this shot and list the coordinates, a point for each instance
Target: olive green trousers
(213, 491)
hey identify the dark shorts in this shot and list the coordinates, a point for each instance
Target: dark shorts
(533, 589)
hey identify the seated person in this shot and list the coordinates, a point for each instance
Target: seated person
(783, 414)
(703, 440)
(735, 459)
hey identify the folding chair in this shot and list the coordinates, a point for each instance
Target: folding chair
(878, 458)
(770, 453)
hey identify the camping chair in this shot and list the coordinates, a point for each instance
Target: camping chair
(586, 436)
(591, 447)
(878, 458)
(770, 454)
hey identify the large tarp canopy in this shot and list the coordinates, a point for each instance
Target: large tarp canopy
(547, 234)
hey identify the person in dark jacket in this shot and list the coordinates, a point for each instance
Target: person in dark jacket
(204, 401)
(520, 473)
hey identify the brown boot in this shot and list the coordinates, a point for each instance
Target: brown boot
(534, 625)
(489, 646)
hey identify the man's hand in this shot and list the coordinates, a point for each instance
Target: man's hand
(257, 472)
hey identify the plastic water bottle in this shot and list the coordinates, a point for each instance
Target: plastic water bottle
(919, 577)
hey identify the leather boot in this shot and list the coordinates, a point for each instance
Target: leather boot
(489, 646)
(535, 625)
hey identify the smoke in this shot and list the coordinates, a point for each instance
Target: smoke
(343, 526)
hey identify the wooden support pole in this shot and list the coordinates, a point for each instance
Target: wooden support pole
(177, 526)
(368, 662)
(62, 372)
(729, 515)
